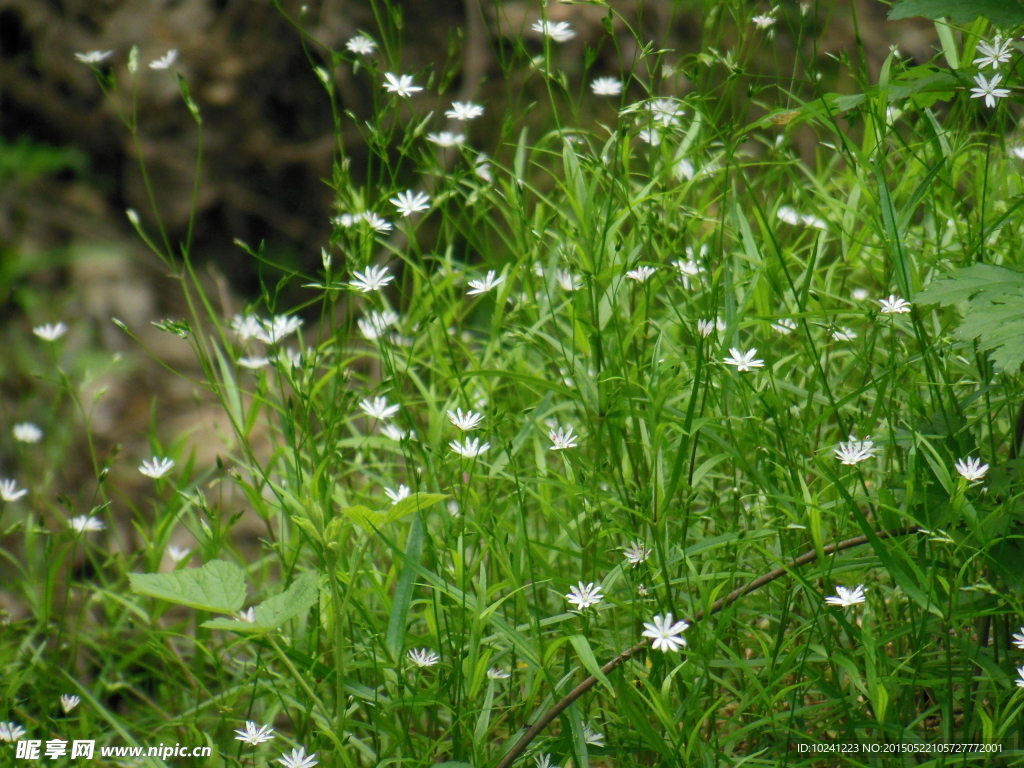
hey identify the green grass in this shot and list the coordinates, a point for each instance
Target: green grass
(723, 474)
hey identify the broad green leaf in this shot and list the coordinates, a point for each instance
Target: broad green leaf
(219, 586)
(586, 654)
(274, 612)
(374, 521)
(1002, 13)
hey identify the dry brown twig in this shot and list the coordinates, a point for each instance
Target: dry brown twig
(808, 557)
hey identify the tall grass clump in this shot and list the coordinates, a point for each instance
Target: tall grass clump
(632, 437)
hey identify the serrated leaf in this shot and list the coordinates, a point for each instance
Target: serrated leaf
(218, 587)
(277, 610)
(1002, 13)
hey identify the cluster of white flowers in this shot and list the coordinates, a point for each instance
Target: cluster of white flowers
(993, 54)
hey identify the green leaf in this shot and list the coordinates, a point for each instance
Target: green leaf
(586, 654)
(1002, 13)
(995, 314)
(374, 521)
(219, 586)
(395, 638)
(277, 610)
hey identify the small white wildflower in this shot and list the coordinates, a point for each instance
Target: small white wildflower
(567, 281)
(666, 634)
(378, 408)
(376, 323)
(606, 86)
(844, 334)
(11, 731)
(665, 112)
(988, 89)
(971, 469)
(592, 737)
(641, 274)
(859, 294)
(361, 45)
(69, 701)
(894, 305)
(85, 523)
(784, 325)
(247, 327)
(497, 673)
(177, 554)
(464, 111)
(298, 758)
(559, 31)
(248, 615)
(1020, 677)
(26, 432)
(562, 438)
(469, 448)
(410, 202)
(394, 432)
(254, 734)
(641, 590)
(482, 168)
(846, 597)
(93, 57)
(705, 327)
(636, 553)
(253, 363)
(373, 278)
(400, 84)
(50, 332)
(9, 490)
(744, 361)
(789, 215)
(855, 451)
(272, 331)
(584, 595)
(650, 136)
(446, 139)
(687, 268)
(423, 657)
(396, 496)
(156, 467)
(377, 223)
(465, 421)
(999, 51)
(165, 61)
(1018, 639)
(764, 21)
(490, 281)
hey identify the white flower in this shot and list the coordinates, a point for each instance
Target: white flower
(253, 363)
(464, 111)
(705, 327)
(272, 331)
(393, 431)
(9, 490)
(409, 202)
(446, 138)
(567, 281)
(177, 554)
(469, 449)
(562, 438)
(1020, 679)
(650, 136)
(254, 734)
(11, 731)
(423, 657)
(606, 86)
(641, 590)
(26, 432)
(248, 615)
(763, 21)
(641, 274)
(785, 326)
(490, 281)
(544, 761)
(687, 269)
(165, 61)
(559, 31)
(665, 111)
(1017, 151)
(847, 597)
(592, 737)
(378, 408)
(789, 215)
(1018, 639)
(376, 323)
(247, 327)
(50, 332)
(373, 278)
(93, 57)
(844, 334)
(465, 421)
(859, 294)
(400, 84)
(69, 701)
(156, 467)
(584, 595)
(85, 523)
(377, 223)
(396, 496)
(988, 89)
(497, 673)
(744, 361)
(637, 552)
(666, 635)
(481, 168)
(361, 45)
(298, 759)
(894, 305)
(971, 469)
(999, 51)
(855, 451)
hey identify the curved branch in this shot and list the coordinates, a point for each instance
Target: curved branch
(760, 581)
